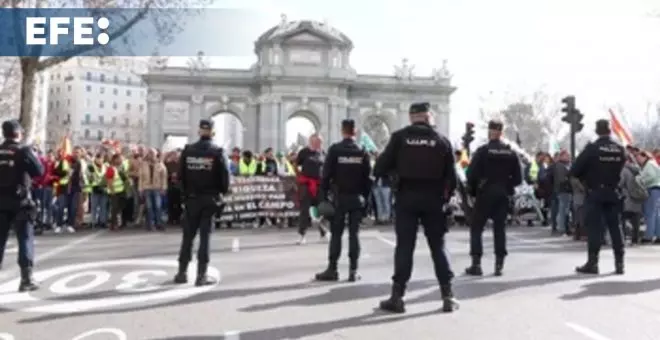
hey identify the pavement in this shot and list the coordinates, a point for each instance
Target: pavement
(103, 285)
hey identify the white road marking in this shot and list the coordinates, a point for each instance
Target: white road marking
(593, 335)
(118, 333)
(235, 245)
(232, 335)
(385, 240)
(54, 252)
(12, 250)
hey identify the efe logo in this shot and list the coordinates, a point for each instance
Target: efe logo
(35, 30)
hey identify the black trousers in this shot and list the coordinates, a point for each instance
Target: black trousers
(494, 206)
(173, 204)
(635, 221)
(603, 205)
(348, 208)
(23, 226)
(413, 209)
(198, 219)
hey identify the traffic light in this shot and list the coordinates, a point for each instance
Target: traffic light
(468, 137)
(568, 109)
(572, 116)
(577, 121)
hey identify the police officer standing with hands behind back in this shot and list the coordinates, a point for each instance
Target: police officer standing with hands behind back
(599, 167)
(346, 173)
(18, 165)
(424, 163)
(204, 177)
(493, 175)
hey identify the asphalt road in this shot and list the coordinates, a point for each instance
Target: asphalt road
(116, 286)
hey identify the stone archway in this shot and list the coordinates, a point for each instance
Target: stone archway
(296, 131)
(229, 129)
(378, 129)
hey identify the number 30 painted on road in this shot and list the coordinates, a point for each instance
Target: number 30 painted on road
(133, 282)
(109, 331)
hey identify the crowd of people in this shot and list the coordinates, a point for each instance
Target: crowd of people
(135, 187)
(562, 197)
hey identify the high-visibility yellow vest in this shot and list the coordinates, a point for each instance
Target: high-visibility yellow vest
(98, 176)
(288, 167)
(117, 185)
(534, 171)
(247, 169)
(65, 167)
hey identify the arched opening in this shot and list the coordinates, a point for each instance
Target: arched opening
(299, 127)
(229, 130)
(377, 129)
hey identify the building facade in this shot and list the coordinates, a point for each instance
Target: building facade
(91, 99)
(303, 70)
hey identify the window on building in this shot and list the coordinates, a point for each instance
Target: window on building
(102, 90)
(115, 91)
(114, 120)
(116, 80)
(52, 76)
(52, 90)
(141, 108)
(88, 88)
(89, 76)
(88, 118)
(50, 104)
(86, 133)
(127, 121)
(57, 104)
(140, 123)
(101, 119)
(128, 93)
(99, 134)
(127, 137)
(101, 104)
(128, 106)
(102, 78)
(129, 80)
(68, 118)
(114, 105)
(57, 90)
(59, 76)
(68, 102)
(68, 88)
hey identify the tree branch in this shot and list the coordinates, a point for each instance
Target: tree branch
(78, 50)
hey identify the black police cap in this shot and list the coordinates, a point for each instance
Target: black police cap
(603, 127)
(419, 108)
(206, 124)
(11, 127)
(495, 125)
(348, 124)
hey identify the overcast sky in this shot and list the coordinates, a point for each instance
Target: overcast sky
(605, 52)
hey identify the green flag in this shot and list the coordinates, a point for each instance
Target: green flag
(367, 143)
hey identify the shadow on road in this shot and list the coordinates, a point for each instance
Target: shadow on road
(613, 288)
(312, 329)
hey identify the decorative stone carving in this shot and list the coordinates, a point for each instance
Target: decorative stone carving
(154, 97)
(268, 98)
(404, 71)
(378, 106)
(283, 20)
(224, 99)
(157, 62)
(304, 103)
(442, 73)
(198, 64)
(197, 99)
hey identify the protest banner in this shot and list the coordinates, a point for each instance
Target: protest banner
(526, 206)
(260, 196)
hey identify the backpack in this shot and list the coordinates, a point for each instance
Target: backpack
(636, 191)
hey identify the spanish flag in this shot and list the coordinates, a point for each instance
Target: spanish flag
(620, 130)
(65, 148)
(464, 161)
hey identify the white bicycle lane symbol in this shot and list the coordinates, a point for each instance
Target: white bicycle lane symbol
(118, 333)
(137, 281)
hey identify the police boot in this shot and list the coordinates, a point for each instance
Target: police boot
(499, 265)
(395, 303)
(591, 267)
(330, 274)
(352, 274)
(449, 303)
(618, 265)
(475, 268)
(181, 276)
(202, 278)
(27, 282)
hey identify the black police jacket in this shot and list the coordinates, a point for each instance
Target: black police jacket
(203, 171)
(347, 168)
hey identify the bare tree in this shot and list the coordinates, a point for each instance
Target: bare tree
(533, 118)
(646, 131)
(166, 22)
(9, 93)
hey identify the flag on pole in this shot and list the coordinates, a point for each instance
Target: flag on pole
(64, 147)
(464, 161)
(620, 130)
(367, 143)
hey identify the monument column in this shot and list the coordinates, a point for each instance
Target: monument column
(268, 123)
(155, 111)
(402, 117)
(281, 127)
(194, 115)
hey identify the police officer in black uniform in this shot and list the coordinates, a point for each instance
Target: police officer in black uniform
(346, 173)
(599, 167)
(204, 177)
(424, 164)
(18, 165)
(493, 175)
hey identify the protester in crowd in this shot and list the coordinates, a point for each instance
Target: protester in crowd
(99, 193)
(118, 184)
(632, 203)
(173, 190)
(43, 192)
(152, 182)
(558, 180)
(649, 178)
(383, 198)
